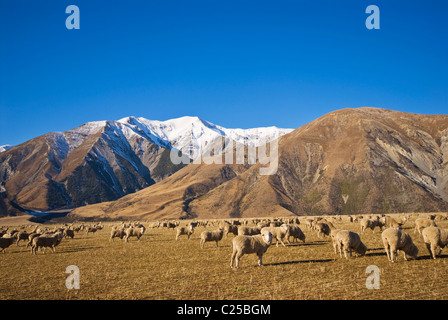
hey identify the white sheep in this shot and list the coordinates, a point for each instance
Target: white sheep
(322, 228)
(215, 235)
(422, 223)
(279, 233)
(188, 230)
(248, 231)
(371, 224)
(117, 232)
(46, 241)
(347, 241)
(333, 238)
(231, 228)
(434, 238)
(257, 244)
(391, 222)
(295, 232)
(394, 240)
(136, 231)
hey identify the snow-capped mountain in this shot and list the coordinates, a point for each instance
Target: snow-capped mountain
(5, 147)
(105, 160)
(187, 133)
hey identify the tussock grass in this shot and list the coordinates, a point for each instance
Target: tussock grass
(159, 267)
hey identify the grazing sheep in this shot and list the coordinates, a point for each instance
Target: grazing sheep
(333, 238)
(295, 232)
(422, 223)
(322, 228)
(371, 224)
(257, 244)
(391, 222)
(435, 238)
(279, 233)
(5, 242)
(394, 240)
(46, 241)
(215, 235)
(184, 230)
(248, 231)
(231, 228)
(117, 233)
(347, 241)
(136, 231)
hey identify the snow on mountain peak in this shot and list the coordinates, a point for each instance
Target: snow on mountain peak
(5, 147)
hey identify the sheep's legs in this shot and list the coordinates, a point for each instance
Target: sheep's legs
(260, 260)
(232, 258)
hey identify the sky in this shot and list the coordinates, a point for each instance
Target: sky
(235, 63)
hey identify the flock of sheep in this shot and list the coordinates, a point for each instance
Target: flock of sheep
(41, 237)
(255, 236)
(256, 239)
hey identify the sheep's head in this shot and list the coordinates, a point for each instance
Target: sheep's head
(267, 237)
(412, 251)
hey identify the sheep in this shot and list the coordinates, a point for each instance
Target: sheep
(243, 244)
(215, 235)
(231, 228)
(136, 231)
(394, 240)
(278, 233)
(5, 242)
(295, 232)
(44, 241)
(116, 233)
(21, 235)
(422, 223)
(322, 228)
(347, 241)
(435, 238)
(372, 224)
(90, 229)
(31, 236)
(333, 238)
(184, 230)
(391, 222)
(69, 233)
(248, 231)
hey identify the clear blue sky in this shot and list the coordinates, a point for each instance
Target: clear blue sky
(236, 63)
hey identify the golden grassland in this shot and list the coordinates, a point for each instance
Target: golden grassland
(159, 267)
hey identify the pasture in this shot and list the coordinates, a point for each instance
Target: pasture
(158, 267)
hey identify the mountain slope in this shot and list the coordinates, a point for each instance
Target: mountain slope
(349, 161)
(104, 160)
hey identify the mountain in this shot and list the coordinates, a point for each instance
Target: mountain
(350, 161)
(192, 134)
(104, 160)
(5, 147)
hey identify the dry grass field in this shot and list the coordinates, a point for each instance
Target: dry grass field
(159, 267)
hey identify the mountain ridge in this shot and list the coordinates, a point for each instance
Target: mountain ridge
(99, 161)
(350, 161)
